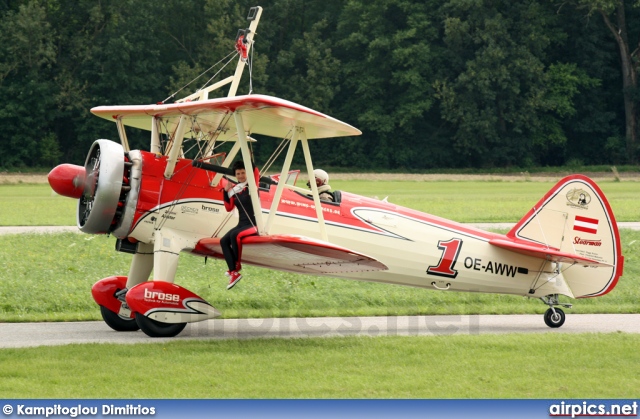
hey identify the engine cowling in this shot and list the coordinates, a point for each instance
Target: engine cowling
(107, 186)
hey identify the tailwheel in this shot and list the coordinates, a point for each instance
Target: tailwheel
(118, 322)
(554, 317)
(156, 329)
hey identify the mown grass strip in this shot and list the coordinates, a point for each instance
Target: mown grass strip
(549, 365)
(35, 204)
(461, 201)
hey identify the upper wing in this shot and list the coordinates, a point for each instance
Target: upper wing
(295, 253)
(261, 114)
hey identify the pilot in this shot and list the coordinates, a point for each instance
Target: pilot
(322, 182)
(237, 196)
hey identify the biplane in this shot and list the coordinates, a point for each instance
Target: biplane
(168, 200)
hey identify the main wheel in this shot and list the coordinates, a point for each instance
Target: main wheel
(117, 322)
(156, 329)
(554, 319)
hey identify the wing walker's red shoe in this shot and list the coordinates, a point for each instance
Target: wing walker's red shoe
(234, 276)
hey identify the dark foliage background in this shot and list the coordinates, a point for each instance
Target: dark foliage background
(431, 83)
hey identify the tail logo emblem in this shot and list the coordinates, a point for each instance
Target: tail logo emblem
(578, 198)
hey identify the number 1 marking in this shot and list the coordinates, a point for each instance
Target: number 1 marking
(450, 251)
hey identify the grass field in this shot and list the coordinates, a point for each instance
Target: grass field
(48, 277)
(549, 365)
(35, 204)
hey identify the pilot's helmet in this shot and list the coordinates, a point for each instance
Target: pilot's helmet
(322, 175)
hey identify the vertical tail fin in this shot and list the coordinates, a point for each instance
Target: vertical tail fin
(575, 217)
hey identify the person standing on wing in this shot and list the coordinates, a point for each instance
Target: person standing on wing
(237, 196)
(322, 182)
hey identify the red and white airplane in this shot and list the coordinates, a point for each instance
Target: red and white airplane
(159, 203)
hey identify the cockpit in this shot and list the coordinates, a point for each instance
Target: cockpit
(267, 182)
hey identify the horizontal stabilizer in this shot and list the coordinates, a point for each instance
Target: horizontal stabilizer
(545, 253)
(296, 254)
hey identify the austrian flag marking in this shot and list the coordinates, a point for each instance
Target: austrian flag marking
(585, 224)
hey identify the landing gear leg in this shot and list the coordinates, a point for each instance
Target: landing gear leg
(554, 317)
(164, 258)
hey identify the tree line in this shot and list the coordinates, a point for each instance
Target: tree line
(431, 83)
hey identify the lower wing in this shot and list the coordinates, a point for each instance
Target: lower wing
(296, 254)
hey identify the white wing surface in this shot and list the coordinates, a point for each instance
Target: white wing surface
(261, 114)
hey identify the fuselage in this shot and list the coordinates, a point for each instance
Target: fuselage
(419, 249)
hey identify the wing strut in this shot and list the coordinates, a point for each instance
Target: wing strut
(155, 136)
(285, 169)
(314, 187)
(176, 147)
(122, 134)
(299, 135)
(248, 164)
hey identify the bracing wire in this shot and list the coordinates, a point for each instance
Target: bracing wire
(215, 75)
(251, 71)
(201, 74)
(192, 172)
(534, 286)
(276, 153)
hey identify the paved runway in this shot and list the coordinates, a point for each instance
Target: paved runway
(18, 335)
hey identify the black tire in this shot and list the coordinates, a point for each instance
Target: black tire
(156, 329)
(556, 319)
(118, 323)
